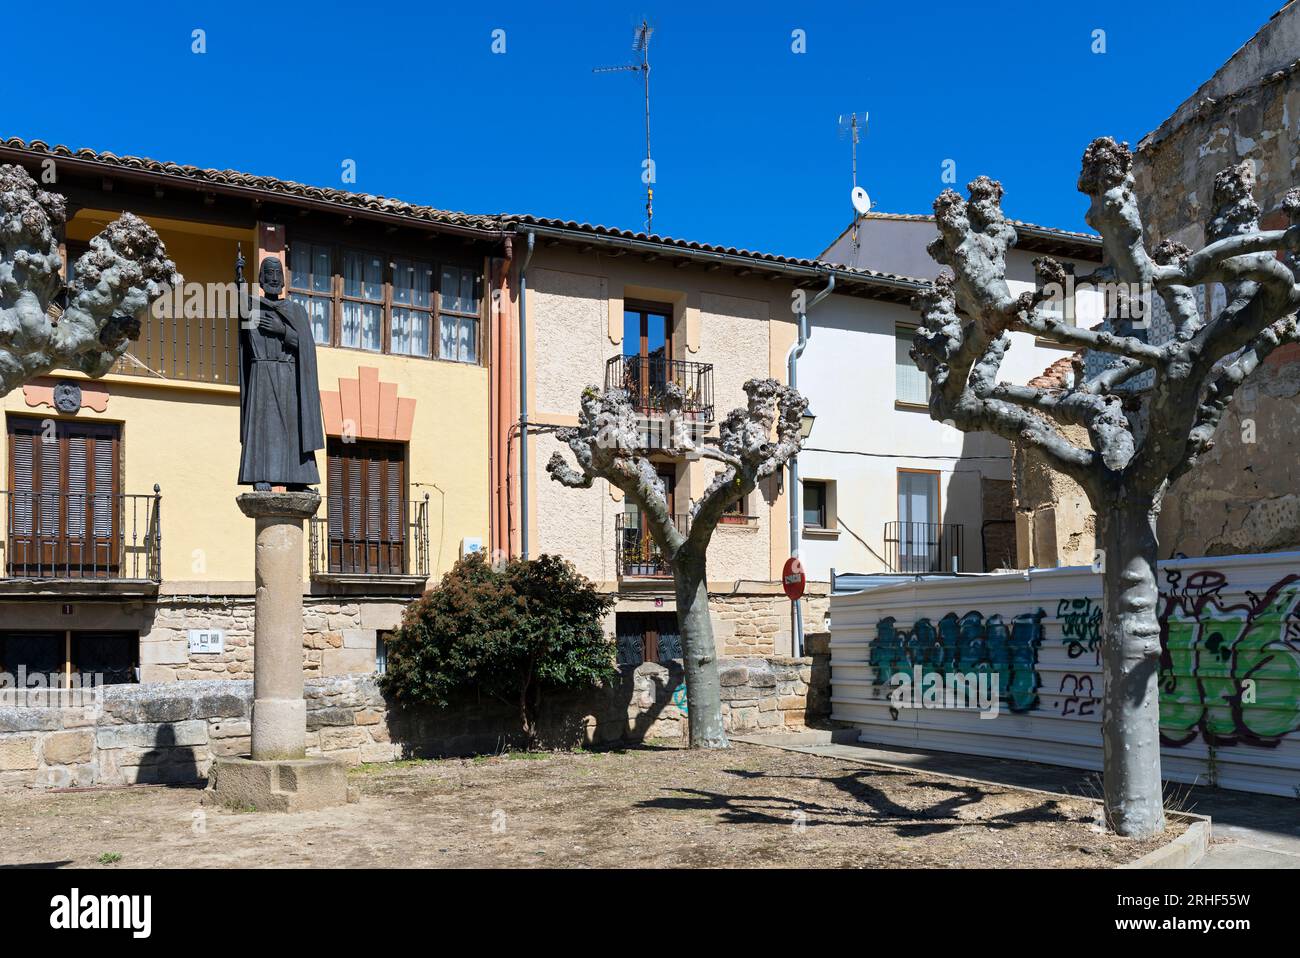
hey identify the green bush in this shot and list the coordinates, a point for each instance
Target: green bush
(511, 632)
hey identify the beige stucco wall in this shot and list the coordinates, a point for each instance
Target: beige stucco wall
(743, 326)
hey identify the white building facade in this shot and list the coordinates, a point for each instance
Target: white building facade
(886, 489)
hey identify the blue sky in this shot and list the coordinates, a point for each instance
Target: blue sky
(743, 128)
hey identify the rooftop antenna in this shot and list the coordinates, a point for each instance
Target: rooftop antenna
(851, 125)
(641, 45)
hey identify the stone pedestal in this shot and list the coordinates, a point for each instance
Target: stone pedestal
(278, 776)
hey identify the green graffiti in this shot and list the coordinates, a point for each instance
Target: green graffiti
(969, 644)
(1230, 672)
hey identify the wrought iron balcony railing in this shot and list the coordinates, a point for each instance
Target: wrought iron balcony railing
(195, 349)
(636, 553)
(376, 544)
(923, 547)
(66, 535)
(646, 377)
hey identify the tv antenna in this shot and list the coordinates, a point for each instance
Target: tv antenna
(851, 125)
(641, 45)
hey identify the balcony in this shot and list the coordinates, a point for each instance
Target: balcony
(923, 548)
(197, 349)
(645, 379)
(83, 543)
(379, 550)
(636, 554)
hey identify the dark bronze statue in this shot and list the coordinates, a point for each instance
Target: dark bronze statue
(279, 396)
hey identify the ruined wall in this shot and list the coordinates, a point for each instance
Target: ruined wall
(1244, 496)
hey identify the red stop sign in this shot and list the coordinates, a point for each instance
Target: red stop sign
(793, 580)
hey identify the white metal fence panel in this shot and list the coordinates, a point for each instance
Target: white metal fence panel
(1229, 677)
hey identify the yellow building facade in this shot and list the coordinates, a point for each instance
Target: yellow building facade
(124, 550)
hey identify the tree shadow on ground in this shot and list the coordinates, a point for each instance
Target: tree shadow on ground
(874, 807)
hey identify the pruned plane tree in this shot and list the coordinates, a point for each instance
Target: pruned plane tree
(1149, 414)
(115, 282)
(612, 442)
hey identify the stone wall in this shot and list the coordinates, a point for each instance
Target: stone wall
(759, 623)
(1244, 495)
(339, 637)
(170, 732)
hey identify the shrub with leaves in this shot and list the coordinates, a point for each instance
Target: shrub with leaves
(511, 632)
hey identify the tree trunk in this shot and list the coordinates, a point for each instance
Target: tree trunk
(1131, 665)
(703, 688)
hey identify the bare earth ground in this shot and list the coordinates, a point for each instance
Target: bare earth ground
(654, 806)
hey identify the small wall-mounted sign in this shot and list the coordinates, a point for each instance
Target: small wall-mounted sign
(207, 641)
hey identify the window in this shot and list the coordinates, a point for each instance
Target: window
(458, 314)
(412, 307)
(64, 499)
(112, 656)
(367, 300)
(362, 321)
(647, 637)
(381, 652)
(814, 505)
(311, 283)
(919, 532)
(367, 507)
(912, 386)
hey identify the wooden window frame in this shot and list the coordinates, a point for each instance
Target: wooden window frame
(347, 451)
(387, 257)
(62, 538)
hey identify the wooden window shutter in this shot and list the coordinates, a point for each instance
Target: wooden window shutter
(367, 507)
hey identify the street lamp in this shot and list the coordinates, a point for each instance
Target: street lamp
(806, 422)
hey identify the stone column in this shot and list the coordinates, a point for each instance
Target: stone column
(278, 776)
(279, 711)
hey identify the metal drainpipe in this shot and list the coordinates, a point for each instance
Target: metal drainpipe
(523, 399)
(792, 374)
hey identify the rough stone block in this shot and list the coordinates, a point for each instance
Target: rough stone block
(738, 675)
(194, 732)
(68, 748)
(18, 752)
(351, 737)
(319, 718)
(348, 661)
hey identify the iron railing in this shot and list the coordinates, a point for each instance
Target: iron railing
(645, 379)
(374, 545)
(635, 551)
(198, 349)
(923, 547)
(65, 535)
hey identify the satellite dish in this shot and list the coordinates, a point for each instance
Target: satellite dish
(861, 201)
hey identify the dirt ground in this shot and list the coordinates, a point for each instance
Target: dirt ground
(653, 806)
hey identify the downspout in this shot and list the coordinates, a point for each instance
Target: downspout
(792, 376)
(523, 398)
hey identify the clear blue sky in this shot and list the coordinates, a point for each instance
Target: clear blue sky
(744, 129)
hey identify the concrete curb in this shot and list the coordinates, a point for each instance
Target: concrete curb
(1183, 852)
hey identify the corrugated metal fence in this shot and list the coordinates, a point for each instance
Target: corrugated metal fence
(1230, 673)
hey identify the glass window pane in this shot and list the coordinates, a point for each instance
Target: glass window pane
(363, 275)
(372, 337)
(350, 330)
(812, 503)
(318, 312)
(912, 385)
(322, 272)
(450, 288)
(300, 265)
(447, 338)
(418, 340)
(468, 341)
(401, 328)
(402, 280)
